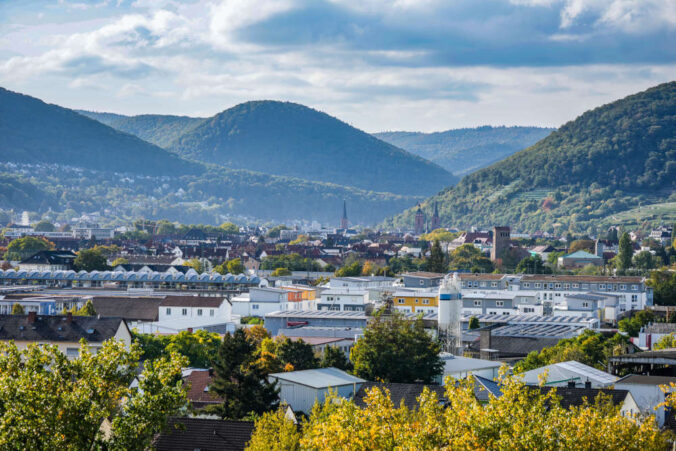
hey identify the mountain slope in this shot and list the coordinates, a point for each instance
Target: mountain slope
(54, 158)
(466, 150)
(157, 129)
(289, 139)
(32, 131)
(606, 161)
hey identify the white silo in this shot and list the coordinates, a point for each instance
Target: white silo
(450, 307)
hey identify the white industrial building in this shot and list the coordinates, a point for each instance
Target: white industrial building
(563, 374)
(301, 389)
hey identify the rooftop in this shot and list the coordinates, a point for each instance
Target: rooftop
(639, 379)
(319, 378)
(192, 301)
(190, 434)
(58, 328)
(425, 275)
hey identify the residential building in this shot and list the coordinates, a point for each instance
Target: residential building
(414, 301)
(199, 395)
(49, 261)
(190, 434)
(301, 389)
(653, 332)
(421, 279)
(260, 301)
(343, 299)
(188, 313)
(132, 309)
(648, 394)
(63, 331)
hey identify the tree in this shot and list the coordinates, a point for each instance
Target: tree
(351, 270)
(17, 309)
(275, 432)
(48, 401)
(198, 347)
(229, 227)
(235, 266)
(632, 326)
(663, 283)
(468, 257)
(644, 260)
(196, 264)
(521, 418)
(333, 357)
(395, 349)
(284, 354)
(553, 258)
(581, 245)
(532, 265)
(437, 261)
(22, 248)
(473, 323)
(90, 260)
(368, 269)
(87, 309)
(119, 261)
(625, 254)
(242, 384)
(666, 342)
(44, 226)
(280, 272)
(439, 234)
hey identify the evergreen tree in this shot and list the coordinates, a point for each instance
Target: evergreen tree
(297, 353)
(242, 384)
(87, 309)
(437, 261)
(335, 358)
(474, 323)
(626, 253)
(17, 309)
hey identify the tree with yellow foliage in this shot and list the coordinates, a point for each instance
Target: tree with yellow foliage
(522, 418)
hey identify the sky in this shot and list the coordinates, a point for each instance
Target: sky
(379, 65)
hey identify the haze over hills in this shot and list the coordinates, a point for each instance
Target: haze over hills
(53, 157)
(157, 129)
(32, 131)
(466, 150)
(289, 139)
(581, 177)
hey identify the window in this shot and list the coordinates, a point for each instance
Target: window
(254, 306)
(623, 287)
(528, 310)
(576, 285)
(634, 298)
(494, 284)
(426, 301)
(538, 285)
(557, 285)
(602, 286)
(566, 286)
(401, 301)
(499, 303)
(199, 312)
(211, 312)
(168, 312)
(551, 285)
(477, 303)
(422, 282)
(526, 285)
(184, 312)
(417, 301)
(634, 287)
(483, 284)
(585, 304)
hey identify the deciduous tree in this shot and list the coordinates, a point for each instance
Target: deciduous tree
(90, 260)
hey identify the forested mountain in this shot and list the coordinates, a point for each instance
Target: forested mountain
(54, 158)
(157, 129)
(585, 174)
(32, 131)
(289, 139)
(466, 150)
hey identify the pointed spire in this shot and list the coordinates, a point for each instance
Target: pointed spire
(344, 209)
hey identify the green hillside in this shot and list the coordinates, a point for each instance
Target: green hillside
(32, 131)
(157, 129)
(54, 158)
(607, 161)
(289, 139)
(466, 150)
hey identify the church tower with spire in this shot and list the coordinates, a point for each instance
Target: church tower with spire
(419, 221)
(436, 221)
(343, 221)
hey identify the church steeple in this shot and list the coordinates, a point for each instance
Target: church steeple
(419, 221)
(436, 221)
(343, 220)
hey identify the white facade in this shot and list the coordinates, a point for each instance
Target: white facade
(361, 283)
(343, 300)
(260, 301)
(457, 367)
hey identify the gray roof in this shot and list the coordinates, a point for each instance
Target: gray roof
(335, 314)
(530, 319)
(639, 379)
(319, 378)
(660, 328)
(189, 434)
(408, 393)
(58, 328)
(131, 309)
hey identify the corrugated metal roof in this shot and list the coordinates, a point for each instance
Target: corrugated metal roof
(319, 378)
